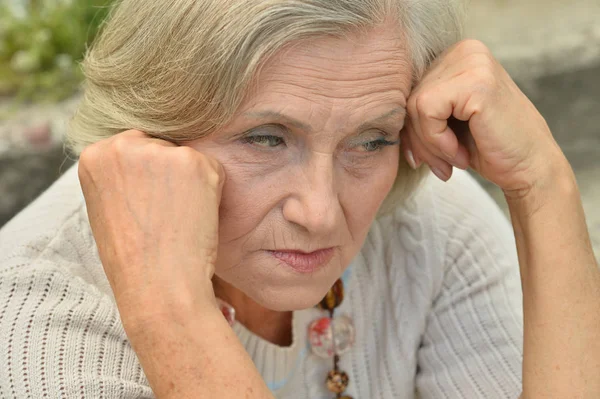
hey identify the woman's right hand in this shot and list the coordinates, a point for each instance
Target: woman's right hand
(153, 209)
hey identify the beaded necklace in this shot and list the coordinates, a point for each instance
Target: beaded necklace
(329, 337)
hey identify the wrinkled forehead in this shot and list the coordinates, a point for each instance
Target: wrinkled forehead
(364, 71)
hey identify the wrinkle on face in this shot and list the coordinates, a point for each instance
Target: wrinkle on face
(316, 191)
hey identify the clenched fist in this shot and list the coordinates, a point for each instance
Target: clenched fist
(153, 209)
(506, 141)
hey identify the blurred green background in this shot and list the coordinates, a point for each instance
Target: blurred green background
(41, 42)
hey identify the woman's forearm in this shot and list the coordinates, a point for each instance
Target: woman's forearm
(561, 289)
(198, 357)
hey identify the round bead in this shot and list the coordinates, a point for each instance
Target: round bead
(227, 310)
(328, 337)
(334, 296)
(337, 381)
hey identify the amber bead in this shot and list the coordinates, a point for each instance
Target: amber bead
(337, 381)
(334, 296)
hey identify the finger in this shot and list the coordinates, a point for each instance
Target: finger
(407, 150)
(215, 172)
(460, 160)
(431, 108)
(218, 167)
(441, 168)
(421, 151)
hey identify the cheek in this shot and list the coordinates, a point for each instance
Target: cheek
(247, 198)
(361, 208)
(378, 179)
(390, 172)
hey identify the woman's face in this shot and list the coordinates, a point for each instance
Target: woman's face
(309, 158)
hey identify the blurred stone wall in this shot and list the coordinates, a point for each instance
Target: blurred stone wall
(534, 38)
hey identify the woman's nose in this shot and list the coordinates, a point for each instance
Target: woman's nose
(313, 202)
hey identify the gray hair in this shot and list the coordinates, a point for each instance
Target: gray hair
(179, 69)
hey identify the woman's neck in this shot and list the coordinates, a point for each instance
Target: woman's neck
(275, 327)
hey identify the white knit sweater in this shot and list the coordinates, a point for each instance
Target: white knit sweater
(434, 295)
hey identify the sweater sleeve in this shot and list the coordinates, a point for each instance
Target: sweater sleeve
(62, 338)
(472, 343)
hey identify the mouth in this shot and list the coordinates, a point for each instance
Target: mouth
(304, 262)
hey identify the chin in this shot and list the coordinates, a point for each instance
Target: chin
(274, 286)
(293, 294)
(289, 300)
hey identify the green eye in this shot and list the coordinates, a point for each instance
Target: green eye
(264, 140)
(377, 145)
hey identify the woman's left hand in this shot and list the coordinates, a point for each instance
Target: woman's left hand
(507, 140)
(509, 143)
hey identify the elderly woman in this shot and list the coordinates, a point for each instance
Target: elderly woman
(257, 158)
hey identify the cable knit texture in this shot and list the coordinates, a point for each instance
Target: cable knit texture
(434, 295)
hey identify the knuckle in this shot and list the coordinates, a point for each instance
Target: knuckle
(485, 78)
(89, 155)
(193, 163)
(487, 60)
(221, 174)
(120, 144)
(422, 101)
(213, 177)
(425, 101)
(82, 171)
(90, 160)
(213, 171)
(480, 60)
(476, 107)
(188, 157)
(153, 154)
(472, 45)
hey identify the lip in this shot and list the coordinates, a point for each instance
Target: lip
(304, 262)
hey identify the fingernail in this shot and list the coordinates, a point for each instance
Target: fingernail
(410, 158)
(441, 175)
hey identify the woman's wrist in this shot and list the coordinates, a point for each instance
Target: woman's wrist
(560, 283)
(147, 312)
(198, 356)
(553, 183)
(549, 223)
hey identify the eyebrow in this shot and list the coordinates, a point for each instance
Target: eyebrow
(273, 115)
(383, 118)
(279, 117)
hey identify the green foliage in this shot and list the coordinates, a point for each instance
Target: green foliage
(41, 43)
